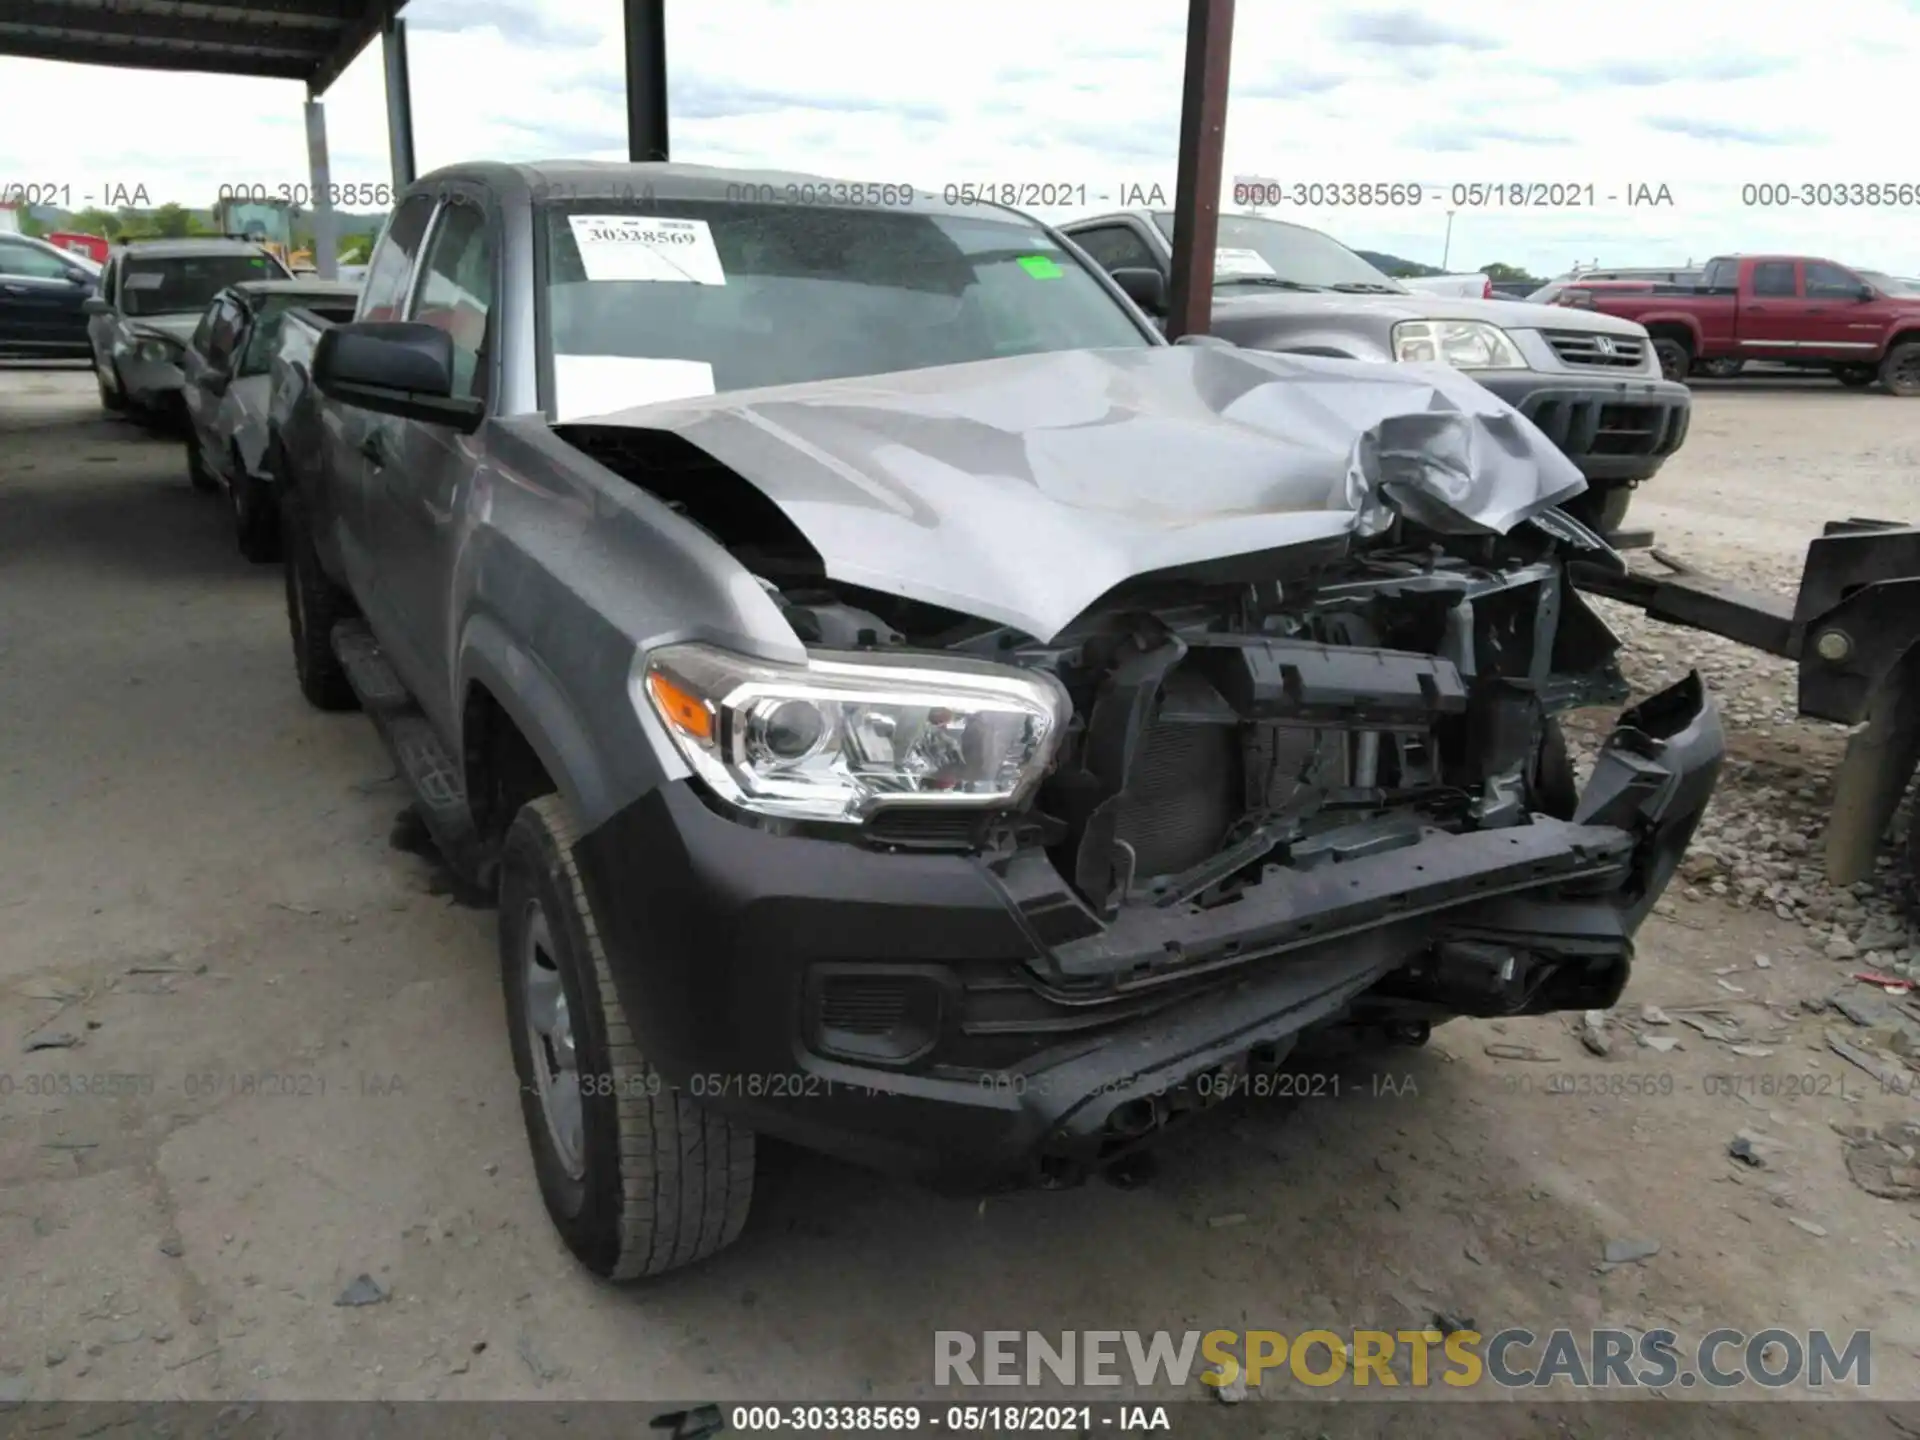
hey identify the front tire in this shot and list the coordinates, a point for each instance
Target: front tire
(256, 522)
(1601, 509)
(314, 606)
(113, 399)
(1676, 360)
(1900, 371)
(203, 479)
(637, 1178)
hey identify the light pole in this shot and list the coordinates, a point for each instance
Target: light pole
(1447, 248)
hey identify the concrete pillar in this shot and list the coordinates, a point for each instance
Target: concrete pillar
(326, 245)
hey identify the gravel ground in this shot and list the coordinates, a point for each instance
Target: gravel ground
(196, 888)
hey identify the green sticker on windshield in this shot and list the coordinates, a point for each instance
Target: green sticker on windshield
(1041, 267)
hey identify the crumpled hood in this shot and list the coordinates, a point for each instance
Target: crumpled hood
(1021, 490)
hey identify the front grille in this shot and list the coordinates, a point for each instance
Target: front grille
(1602, 352)
(863, 1007)
(1596, 427)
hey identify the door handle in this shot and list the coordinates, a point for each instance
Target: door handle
(14, 289)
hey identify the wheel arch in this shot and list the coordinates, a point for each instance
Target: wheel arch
(518, 733)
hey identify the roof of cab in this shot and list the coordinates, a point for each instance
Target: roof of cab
(617, 181)
(185, 248)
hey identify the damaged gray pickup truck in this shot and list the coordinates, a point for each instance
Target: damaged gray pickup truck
(905, 707)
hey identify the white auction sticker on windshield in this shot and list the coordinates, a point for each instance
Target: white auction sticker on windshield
(1229, 261)
(647, 247)
(588, 385)
(145, 280)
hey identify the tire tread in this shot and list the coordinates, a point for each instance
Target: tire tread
(686, 1173)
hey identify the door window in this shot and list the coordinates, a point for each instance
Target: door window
(1774, 278)
(224, 322)
(384, 294)
(1115, 247)
(1830, 282)
(456, 292)
(31, 262)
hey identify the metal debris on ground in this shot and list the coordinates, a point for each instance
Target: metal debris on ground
(1743, 1150)
(1892, 984)
(1625, 1252)
(1808, 1226)
(1892, 1077)
(59, 1040)
(1654, 1015)
(1504, 1051)
(364, 1290)
(1662, 1043)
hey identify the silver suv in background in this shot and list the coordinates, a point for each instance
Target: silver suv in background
(150, 301)
(1590, 382)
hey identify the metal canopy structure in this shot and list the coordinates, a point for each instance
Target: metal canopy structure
(1203, 131)
(311, 41)
(314, 41)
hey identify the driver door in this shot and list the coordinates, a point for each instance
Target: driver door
(413, 486)
(1838, 324)
(341, 514)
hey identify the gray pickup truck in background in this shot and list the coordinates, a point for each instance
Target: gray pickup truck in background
(1590, 382)
(903, 706)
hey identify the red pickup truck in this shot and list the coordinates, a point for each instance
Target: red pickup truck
(1790, 309)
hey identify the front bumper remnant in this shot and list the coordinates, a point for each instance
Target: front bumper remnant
(972, 1023)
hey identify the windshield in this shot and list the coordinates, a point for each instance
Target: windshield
(694, 297)
(264, 338)
(1251, 251)
(1890, 284)
(186, 284)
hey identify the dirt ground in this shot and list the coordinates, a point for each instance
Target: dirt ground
(196, 884)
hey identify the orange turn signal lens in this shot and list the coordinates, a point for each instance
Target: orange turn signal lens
(686, 711)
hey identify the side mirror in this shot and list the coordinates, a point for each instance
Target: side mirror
(95, 305)
(1145, 287)
(1867, 292)
(1210, 342)
(394, 367)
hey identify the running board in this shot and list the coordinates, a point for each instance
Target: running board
(432, 773)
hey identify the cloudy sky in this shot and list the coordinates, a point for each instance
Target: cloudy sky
(1699, 96)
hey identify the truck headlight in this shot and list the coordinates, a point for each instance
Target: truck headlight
(846, 734)
(156, 350)
(1467, 344)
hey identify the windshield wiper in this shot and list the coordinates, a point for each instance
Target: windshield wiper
(1366, 287)
(1273, 280)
